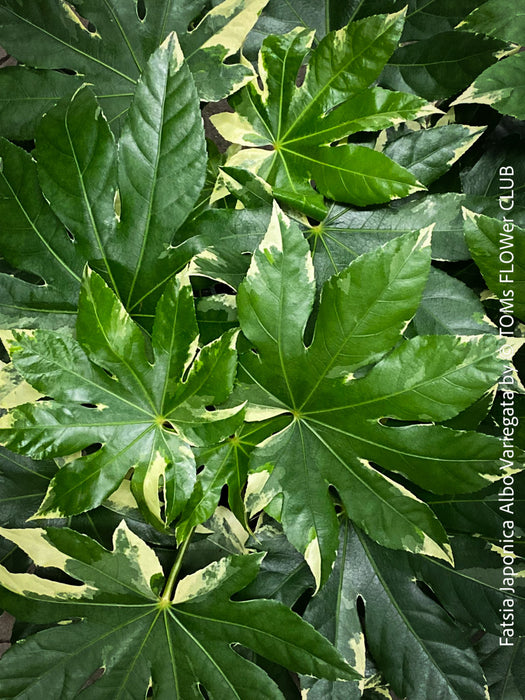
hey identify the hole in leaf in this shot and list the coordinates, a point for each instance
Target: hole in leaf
(360, 606)
(141, 9)
(203, 692)
(210, 408)
(89, 405)
(200, 469)
(45, 398)
(91, 449)
(168, 426)
(91, 28)
(70, 235)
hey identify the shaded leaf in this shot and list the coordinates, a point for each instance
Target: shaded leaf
(429, 153)
(449, 306)
(333, 612)
(503, 667)
(499, 250)
(497, 18)
(433, 656)
(424, 67)
(499, 86)
(78, 168)
(111, 50)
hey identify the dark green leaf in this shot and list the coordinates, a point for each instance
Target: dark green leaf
(425, 67)
(130, 245)
(498, 249)
(449, 306)
(333, 612)
(429, 153)
(26, 94)
(500, 86)
(497, 18)
(472, 590)
(109, 44)
(433, 657)
(503, 667)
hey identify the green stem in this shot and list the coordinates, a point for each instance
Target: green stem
(172, 578)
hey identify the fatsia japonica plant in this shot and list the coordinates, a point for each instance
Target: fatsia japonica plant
(260, 423)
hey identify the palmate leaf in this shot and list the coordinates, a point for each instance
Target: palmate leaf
(224, 464)
(300, 123)
(141, 639)
(145, 415)
(433, 656)
(80, 173)
(112, 51)
(339, 424)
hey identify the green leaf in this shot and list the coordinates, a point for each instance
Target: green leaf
(497, 18)
(153, 205)
(499, 86)
(284, 575)
(346, 233)
(23, 484)
(176, 646)
(430, 153)
(41, 248)
(449, 306)
(144, 416)
(339, 419)
(215, 315)
(433, 656)
(503, 667)
(425, 18)
(26, 94)
(281, 17)
(479, 513)
(80, 176)
(111, 51)
(333, 612)
(301, 122)
(471, 591)
(498, 250)
(223, 464)
(424, 67)
(226, 257)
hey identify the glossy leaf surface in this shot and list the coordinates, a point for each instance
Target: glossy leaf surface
(143, 416)
(339, 421)
(300, 123)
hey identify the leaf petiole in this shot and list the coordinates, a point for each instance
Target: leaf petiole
(172, 578)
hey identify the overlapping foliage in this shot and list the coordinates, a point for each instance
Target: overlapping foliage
(236, 385)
